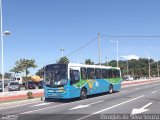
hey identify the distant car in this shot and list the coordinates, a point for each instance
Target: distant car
(40, 84)
(13, 86)
(18, 79)
(128, 78)
(1, 86)
(30, 85)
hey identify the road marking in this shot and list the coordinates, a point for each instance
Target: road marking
(147, 86)
(41, 104)
(154, 92)
(43, 108)
(110, 107)
(140, 110)
(20, 105)
(65, 104)
(84, 106)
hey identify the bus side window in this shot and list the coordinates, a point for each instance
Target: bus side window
(116, 73)
(90, 73)
(98, 73)
(74, 75)
(104, 73)
(109, 73)
(83, 73)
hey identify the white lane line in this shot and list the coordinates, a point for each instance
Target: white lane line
(84, 106)
(110, 107)
(19, 105)
(154, 92)
(41, 104)
(44, 108)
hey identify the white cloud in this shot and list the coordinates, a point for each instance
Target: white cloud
(129, 57)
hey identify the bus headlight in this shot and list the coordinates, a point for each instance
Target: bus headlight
(61, 90)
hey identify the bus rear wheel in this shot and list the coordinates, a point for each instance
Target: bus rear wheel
(83, 94)
(110, 89)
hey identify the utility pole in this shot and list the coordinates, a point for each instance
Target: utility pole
(127, 66)
(158, 68)
(99, 49)
(149, 64)
(62, 50)
(117, 54)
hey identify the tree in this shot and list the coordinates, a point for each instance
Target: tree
(63, 60)
(89, 62)
(16, 70)
(113, 63)
(8, 75)
(25, 64)
(40, 72)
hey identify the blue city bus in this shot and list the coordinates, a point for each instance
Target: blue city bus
(65, 81)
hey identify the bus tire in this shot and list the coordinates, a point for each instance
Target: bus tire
(110, 89)
(83, 94)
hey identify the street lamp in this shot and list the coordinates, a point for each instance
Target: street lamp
(2, 34)
(127, 60)
(62, 50)
(2, 60)
(99, 48)
(117, 49)
(157, 68)
(149, 65)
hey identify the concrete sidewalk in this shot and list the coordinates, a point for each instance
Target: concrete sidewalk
(22, 95)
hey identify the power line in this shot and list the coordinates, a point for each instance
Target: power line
(75, 51)
(134, 36)
(116, 36)
(85, 45)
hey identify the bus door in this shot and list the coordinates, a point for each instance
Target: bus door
(74, 81)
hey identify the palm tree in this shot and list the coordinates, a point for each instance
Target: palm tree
(25, 64)
(16, 70)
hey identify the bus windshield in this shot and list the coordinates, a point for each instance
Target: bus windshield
(56, 75)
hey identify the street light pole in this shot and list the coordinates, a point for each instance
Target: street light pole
(117, 54)
(2, 49)
(99, 49)
(149, 64)
(127, 66)
(2, 72)
(62, 50)
(158, 68)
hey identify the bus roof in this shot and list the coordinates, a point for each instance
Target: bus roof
(94, 66)
(86, 65)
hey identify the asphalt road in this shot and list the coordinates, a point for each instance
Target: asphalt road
(135, 102)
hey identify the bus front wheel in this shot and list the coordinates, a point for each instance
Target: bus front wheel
(83, 94)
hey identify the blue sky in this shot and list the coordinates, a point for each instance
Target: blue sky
(39, 28)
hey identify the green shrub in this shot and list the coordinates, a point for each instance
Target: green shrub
(30, 95)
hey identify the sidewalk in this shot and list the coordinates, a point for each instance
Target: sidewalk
(22, 95)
